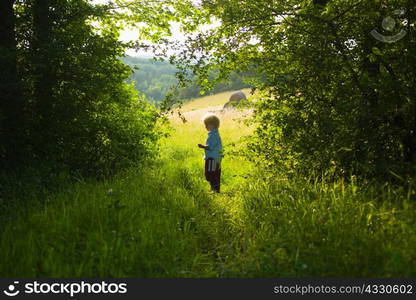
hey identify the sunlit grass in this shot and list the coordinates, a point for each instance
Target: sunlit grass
(189, 130)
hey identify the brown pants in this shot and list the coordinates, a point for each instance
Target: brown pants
(213, 174)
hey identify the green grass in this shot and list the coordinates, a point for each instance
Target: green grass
(161, 221)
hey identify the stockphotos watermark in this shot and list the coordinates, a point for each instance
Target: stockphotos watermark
(63, 288)
(389, 24)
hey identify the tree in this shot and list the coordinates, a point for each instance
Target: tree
(79, 113)
(339, 99)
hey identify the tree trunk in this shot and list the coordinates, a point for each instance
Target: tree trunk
(42, 76)
(10, 93)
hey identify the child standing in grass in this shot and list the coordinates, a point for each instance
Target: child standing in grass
(213, 151)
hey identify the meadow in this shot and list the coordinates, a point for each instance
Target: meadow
(160, 220)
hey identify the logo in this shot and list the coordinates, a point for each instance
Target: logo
(71, 289)
(389, 24)
(11, 291)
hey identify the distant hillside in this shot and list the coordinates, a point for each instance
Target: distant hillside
(155, 78)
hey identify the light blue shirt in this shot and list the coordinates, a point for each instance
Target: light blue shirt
(214, 144)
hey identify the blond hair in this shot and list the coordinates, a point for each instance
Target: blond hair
(211, 119)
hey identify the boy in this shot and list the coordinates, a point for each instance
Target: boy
(213, 151)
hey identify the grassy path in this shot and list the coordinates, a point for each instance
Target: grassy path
(161, 221)
(156, 221)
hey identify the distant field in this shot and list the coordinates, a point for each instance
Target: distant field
(211, 101)
(189, 130)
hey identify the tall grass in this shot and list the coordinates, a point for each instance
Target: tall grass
(161, 221)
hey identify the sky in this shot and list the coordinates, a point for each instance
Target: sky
(131, 34)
